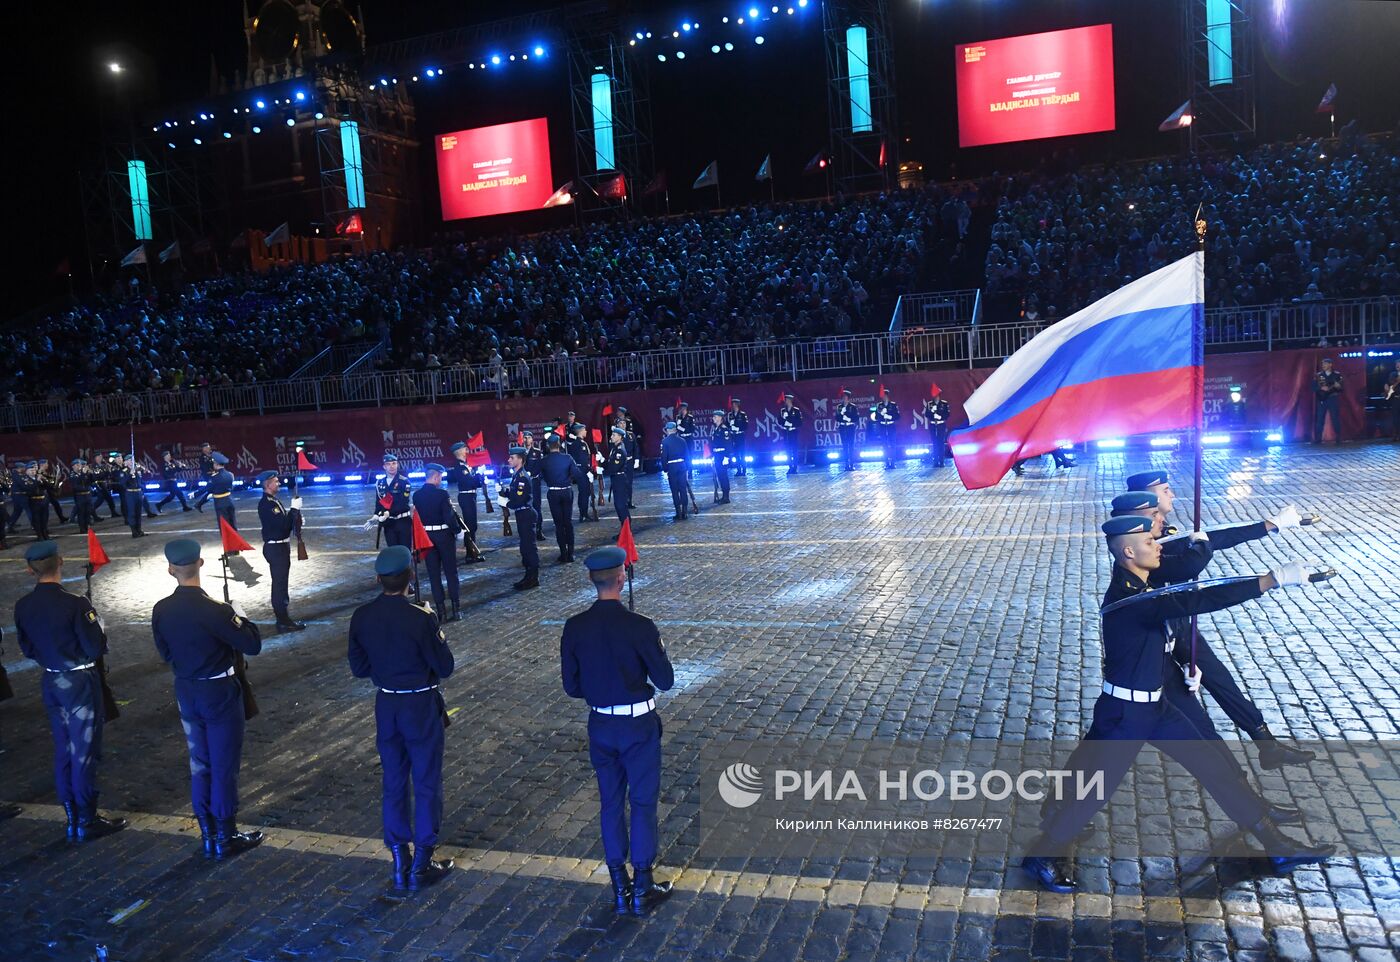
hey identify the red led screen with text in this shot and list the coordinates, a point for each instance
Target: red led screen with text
(1039, 85)
(494, 170)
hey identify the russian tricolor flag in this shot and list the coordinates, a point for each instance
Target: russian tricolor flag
(1128, 364)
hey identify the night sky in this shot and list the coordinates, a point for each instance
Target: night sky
(735, 107)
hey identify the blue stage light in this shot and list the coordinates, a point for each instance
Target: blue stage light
(802, 3)
(182, 484)
(170, 145)
(1113, 443)
(320, 116)
(780, 459)
(539, 51)
(1274, 437)
(260, 105)
(301, 95)
(321, 478)
(661, 57)
(680, 54)
(748, 459)
(354, 477)
(729, 46)
(496, 59)
(714, 49)
(512, 58)
(227, 135)
(1215, 439)
(640, 35)
(833, 455)
(685, 27)
(257, 129)
(1164, 442)
(758, 40)
(198, 142)
(915, 452)
(753, 12)
(430, 72)
(875, 453)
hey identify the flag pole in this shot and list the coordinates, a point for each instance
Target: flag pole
(1198, 359)
(223, 560)
(630, 606)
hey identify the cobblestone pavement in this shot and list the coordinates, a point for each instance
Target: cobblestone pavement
(826, 606)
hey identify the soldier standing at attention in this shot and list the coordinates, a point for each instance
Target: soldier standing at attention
(936, 414)
(619, 468)
(790, 425)
(516, 497)
(847, 419)
(220, 488)
(739, 421)
(278, 527)
(1327, 385)
(434, 506)
(722, 443)
(577, 447)
(203, 641)
(885, 417)
(685, 428)
(673, 461)
(468, 482)
(534, 457)
(611, 658)
(391, 507)
(63, 633)
(399, 646)
(560, 474)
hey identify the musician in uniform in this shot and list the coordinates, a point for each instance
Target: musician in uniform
(25, 488)
(790, 419)
(208, 467)
(560, 474)
(468, 481)
(401, 648)
(84, 510)
(634, 440)
(101, 486)
(220, 489)
(534, 457)
(723, 442)
(685, 429)
(619, 468)
(517, 496)
(392, 510)
(885, 416)
(133, 494)
(673, 461)
(936, 414)
(279, 527)
(577, 447)
(63, 633)
(434, 506)
(847, 423)
(204, 642)
(116, 487)
(614, 660)
(1131, 710)
(1327, 387)
(738, 420)
(170, 470)
(52, 481)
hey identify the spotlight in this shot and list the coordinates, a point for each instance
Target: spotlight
(115, 67)
(414, 78)
(729, 46)
(791, 11)
(714, 49)
(775, 9)
(802, 3)
(495, 59)
(639, 35)
(1215, 439)
(631, 43)
(1113, 443)
(512, 58)
(539, 51)
(383, 82)
(723, 19)
(430, 72)
(169, 124)
(524, 56)
(758, 40)
(198, 142)
(680, 54)
(320, 116)
(257, 129)
(471, 66)
(170, 145)
(291, 121)
(227, 135)
(648, 34)
(753, 13)
(262, 105)
(661, 57)
(301, 95)
(685, 27)
(740, 20)
(1274, 437)
(675, 34)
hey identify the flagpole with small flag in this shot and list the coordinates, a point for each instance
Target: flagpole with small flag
(97, 557)
(232, 542)
(1198, 360)
(625, 542)
(421, 543)
(303, 464)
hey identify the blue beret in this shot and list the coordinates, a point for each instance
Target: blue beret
(43, 461)
(219, 457)
(1146, 479)
(390, 458)
(1133, 501)
(266, 476)
(182, 551)
(619, 429)
(79, 461)
(393, 560)
(434, 466)
(1127, 524)
(458, 446)
(606, 558)
(621, 410)
(40, 550)
(517, 451)
(670, 425)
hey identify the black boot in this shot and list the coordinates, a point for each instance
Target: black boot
(456, 613)
(1286, 853)
(647, 892)
(10, 811)
(288, 623)
(426, 870)
(94, 826)
(531, 580)
(1274, 754)
(70, 809)
(1283, 815)
(403, 858)
(622, 889)
(1052, 873)
(206, 834)
(230, 841)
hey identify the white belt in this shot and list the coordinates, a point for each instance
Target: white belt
(278, 541)
(222, 674)
(400, 517)
(1131, 694)
(640, 708)
(567, 487)
(407, 691)
(436, 527)
(59, 671)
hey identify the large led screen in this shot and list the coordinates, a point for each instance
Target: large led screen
(494, 170)
(1034, 86)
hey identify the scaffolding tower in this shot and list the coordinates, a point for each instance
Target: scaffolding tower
(862, 159)
(1218, 64)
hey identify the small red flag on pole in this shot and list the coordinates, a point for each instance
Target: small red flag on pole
(232, 541)
(597, 436)
(303, 462)
(782, 396)
(607, 410)
(386, 502)
(97, 555)
(520, 438)
(934, 390)
(625, 542)
(421, 541)
(560, 430)
(475, 441)
(476, 459)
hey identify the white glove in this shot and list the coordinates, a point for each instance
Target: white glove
(503, 501)
(238, 610)
(1287, 518)
(1193, 681)
(598, 471)
(637, 464)
(296, 503)
(370, 522)
(1199, 536)
(1292, 573)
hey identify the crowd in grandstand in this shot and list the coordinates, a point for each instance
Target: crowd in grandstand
(1299, 222)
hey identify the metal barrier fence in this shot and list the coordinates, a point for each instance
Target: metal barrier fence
(935, 309)
(1355, 322)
